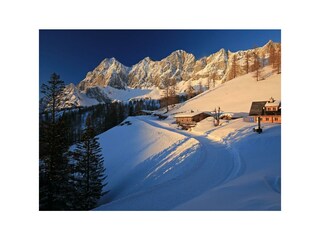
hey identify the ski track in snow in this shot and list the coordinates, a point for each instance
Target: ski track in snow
(238, 165)
(227, 167)
(213, 168)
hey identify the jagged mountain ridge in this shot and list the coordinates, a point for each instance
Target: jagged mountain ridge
(179, 65)
(108, 72)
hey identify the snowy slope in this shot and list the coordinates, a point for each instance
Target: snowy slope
(257, 157)
(153, 165)
(139, 156)
(132, 93)
(236, 95)
(74, 98)
(167, 168)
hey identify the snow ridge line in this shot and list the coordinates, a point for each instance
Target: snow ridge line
(238, 165)
(172, 148)
(203, 151)
(167, 182)
(168, 153)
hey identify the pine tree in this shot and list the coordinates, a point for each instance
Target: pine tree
(53, 151)
(190, 90)
(213, 80)
(263, 58)
(234, 67)
(257, 66)
(53, 93)
(208, 83)
(247, 62)
(200, 87)
(113, 114)
(173, 99)
(121, 113)
(90, 171)
(173, 87)
(130, 108)
(166, 85)
(272, 56)
(277, 65)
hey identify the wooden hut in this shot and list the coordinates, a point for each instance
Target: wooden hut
(268, 111)
(190, 118)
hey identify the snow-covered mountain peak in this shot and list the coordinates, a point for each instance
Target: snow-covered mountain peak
(144, 61)
(71, 86)
(270, 42)
(179, 65)
(109, 72)
(228, 167)
(221, 51)
(110, 62)
(180, 54)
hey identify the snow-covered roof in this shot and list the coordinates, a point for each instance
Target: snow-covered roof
(147, 111)
(190, 114)
(271, 104)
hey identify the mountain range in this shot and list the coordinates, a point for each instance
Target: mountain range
(111, 77)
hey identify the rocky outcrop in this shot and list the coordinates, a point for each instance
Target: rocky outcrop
(179, 65)
(109, 72)
(98, 94)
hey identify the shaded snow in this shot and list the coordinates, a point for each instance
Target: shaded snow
(143, 156)
(165, 168)
(153, 165)
(257, 183)
(131, 93)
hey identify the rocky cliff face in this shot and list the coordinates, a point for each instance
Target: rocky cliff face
(179, 65)
(109, 72)
(148, 73)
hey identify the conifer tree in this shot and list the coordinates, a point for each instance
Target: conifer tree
(53, 93)
(200, 87)
(172, 92)
(173, 87)
(53, 155)
(190, 90)
(247, 62)
(90, 171)
(277, 65)
(272, 56)
(262, 61)
(166, 86)
(234, 67)
(257, 66)
(208, 83)
(211, 80)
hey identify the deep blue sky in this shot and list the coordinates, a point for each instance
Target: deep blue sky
(73, 53)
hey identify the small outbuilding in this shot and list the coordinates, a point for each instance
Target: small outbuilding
(143, 112)
(191, 118)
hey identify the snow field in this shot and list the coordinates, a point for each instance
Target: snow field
(140, 156)
(153, 165)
